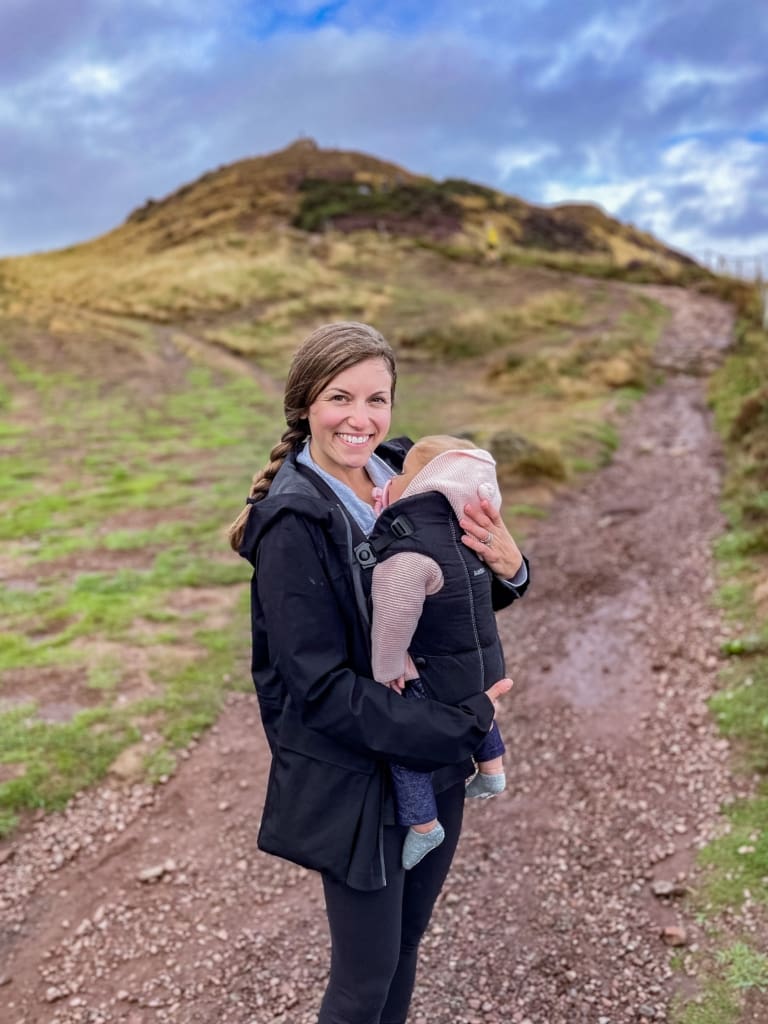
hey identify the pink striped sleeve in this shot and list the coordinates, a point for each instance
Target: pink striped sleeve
(400, 585)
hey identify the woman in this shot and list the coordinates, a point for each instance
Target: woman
(331, 729)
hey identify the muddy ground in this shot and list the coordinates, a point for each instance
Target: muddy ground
(139, 905)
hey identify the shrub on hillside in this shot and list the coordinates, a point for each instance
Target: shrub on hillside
(400, 209)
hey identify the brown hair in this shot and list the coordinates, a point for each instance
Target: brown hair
(327, 352)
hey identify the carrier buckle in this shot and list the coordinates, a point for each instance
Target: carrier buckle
(401, 526)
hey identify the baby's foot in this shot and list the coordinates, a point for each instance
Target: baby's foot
(419, 844)
(484, 786)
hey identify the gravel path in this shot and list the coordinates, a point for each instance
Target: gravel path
(140, 906)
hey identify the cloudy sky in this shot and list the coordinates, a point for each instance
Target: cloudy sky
(657, 110)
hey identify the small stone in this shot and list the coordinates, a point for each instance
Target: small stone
(129, 763)
(663, 887)
(53, 994)
(151, 874)
(674, 935)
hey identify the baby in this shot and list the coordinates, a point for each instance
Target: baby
(433, 621)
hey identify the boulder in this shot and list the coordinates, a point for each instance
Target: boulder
(516, 455)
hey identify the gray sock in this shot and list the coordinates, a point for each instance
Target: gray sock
(418, 845)
(484, 786)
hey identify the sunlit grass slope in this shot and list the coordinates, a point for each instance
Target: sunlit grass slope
(140, 387)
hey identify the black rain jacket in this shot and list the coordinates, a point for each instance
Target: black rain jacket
(331, 728)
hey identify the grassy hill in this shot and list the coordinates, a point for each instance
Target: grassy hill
(140, 387)
(259, 234)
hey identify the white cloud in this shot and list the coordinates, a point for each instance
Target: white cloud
(713, 183)
(604, 38)
(723, 178)
(667, 82)
(610, 195)
(96, 79)
(521, 158)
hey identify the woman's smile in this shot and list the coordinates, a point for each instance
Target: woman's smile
(355, 439)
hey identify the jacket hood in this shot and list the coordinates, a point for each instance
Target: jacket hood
(463, 476)
(291, 491)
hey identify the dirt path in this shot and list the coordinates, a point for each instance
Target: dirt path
(142, 906)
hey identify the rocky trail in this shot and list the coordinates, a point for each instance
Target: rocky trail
(153, 905)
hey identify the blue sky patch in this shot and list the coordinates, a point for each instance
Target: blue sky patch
(632, 105)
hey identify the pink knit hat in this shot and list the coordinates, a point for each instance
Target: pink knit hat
(465, 476)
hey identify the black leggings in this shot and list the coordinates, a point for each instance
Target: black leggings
(375, 935)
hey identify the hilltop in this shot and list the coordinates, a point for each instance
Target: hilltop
(312, 189)
(316, 189)
(251, 256)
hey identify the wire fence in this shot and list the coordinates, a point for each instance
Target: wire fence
(753, 267)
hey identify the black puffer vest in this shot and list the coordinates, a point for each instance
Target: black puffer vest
(456, 646)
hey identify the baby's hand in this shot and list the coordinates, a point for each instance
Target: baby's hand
(398, 685)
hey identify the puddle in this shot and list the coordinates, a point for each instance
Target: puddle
(605, 667)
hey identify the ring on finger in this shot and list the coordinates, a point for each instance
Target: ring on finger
(489, 539)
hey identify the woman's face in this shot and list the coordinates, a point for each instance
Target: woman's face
(350, 417)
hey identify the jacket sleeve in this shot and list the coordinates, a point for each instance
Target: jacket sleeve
(310, 647)
(503, 592)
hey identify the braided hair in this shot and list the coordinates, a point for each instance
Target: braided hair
(327, 352)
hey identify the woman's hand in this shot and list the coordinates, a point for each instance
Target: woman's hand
(486, 534)
(498, 690)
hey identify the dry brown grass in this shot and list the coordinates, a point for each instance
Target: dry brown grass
(492, 340)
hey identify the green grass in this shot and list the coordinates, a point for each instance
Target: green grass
(716, 1004)
(59, 760)
(734, 866)
(737, 969)
(741, 707)
(737, 863)
(80, 485)
(745, 968)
